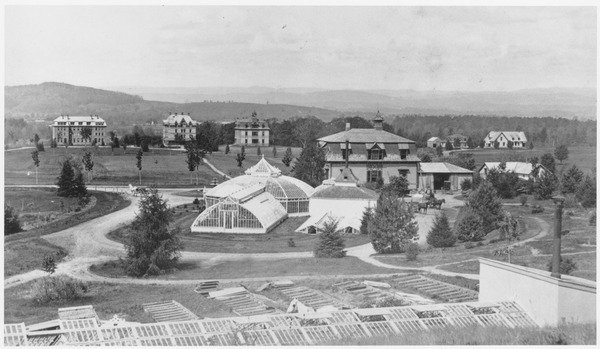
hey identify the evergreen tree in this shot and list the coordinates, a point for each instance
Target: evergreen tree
(193, 157)
(426, 158)
(36, 162)
(398, 185)
(393, 225)
(309, 167)
(65, 180)
(530, 145)
(274, 151)
(88, 163)
(138, 163)
(440, 234)
(79, 189)
(470, 227)
(485, 203)
(258, 152)
(330, 243)
(449, 145)
(152, 246)
(287, 157)
(561, 153)
(545, 186)
(240, 159)
(11, 221)
(366, 221)
(571, 180)
(586, 192)
(227, 149)
(243, 152)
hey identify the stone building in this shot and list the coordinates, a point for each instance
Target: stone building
(178, 128)
(252, 132)
(72, 130)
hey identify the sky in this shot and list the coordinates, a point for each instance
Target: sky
(419, 48)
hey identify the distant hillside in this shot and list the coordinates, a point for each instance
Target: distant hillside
(50, 99)
(558, 102)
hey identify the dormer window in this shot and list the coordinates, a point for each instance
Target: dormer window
(345, 153)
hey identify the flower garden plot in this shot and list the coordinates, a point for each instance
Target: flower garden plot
(312, 298)
(168, 311)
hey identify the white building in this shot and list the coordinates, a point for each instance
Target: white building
(340, 200)
(67, 130)
(435, 142)
(253, 203)
(252, 132)
(178, 128)
(504, 138)
(523, 169)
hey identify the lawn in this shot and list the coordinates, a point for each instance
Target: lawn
(582, 157)
(274, 241)
(228, 164)
(160, 167)
(25, 251)
(251, 268)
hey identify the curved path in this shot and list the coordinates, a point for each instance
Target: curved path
(88, 244)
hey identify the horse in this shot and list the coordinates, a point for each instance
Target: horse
(422, 206)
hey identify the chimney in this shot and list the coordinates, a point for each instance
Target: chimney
(378, 121)
(347, 126)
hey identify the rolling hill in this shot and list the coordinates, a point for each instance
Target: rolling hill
(50, 99)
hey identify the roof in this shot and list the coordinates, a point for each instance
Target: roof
(175, 119)
(343, 222)
(94, 119)
(378, 117)
(433, 139)
(364, 135)
(346, 176)
(522, 168)
(266, 209)
(345, 192)
(263, 168)
(442, 167)
(510, 135)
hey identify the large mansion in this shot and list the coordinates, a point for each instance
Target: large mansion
(252, 132)
(370, 154)
(73, 130)
(178, 128)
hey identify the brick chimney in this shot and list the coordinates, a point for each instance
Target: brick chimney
(347, 126)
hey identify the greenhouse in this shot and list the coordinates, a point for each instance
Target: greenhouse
(253, 203)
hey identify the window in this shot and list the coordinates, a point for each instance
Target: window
(254, 141)
(344, 152)
(255, 133)
(403, 173)
(376, 154)
(403, 153)
(373, 175)
(245, 133)
(263, 133)
(263, 141)
(245, 141)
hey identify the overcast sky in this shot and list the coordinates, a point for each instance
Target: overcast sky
(326, 47)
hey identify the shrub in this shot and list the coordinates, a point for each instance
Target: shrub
(312, 230)
(365, 223)
(571, 180)
(330, 243)
(196, 201)
(467, 184)
(40, 146)
(440, 234)
(57, 289)
(470, 227)
(586, 192)
(523, 199)
(11, 221)
(537, 209)
(484, 203)
(291, 243)
(412, 251)
(545, 186)
(49, 264)
(567, 266)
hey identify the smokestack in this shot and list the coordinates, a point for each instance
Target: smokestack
(347, 126)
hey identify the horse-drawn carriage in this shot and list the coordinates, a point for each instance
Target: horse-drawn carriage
(421, 203)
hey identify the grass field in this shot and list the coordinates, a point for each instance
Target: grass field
(250, 268)
(582, 157)
(228, 164)
(272, 242)
(25, 251)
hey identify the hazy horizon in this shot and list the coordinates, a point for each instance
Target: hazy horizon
(470, 49)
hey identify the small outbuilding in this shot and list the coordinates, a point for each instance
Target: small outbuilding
(341, 200)
(435, 142)
(442, 176)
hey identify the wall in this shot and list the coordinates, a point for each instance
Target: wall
(549, 301)
(387, 171)
(241, 137)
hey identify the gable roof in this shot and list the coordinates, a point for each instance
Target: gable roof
(433, 139)
(364, 135)
(174, 119)
(346, 176)
(522, 168)
(442, 167)
(510, 135)
(263, 169)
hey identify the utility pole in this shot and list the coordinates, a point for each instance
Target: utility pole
(558, 200)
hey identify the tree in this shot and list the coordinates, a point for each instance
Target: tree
(496, 144)
(366, 221)
(36, 162)
(586, 192)
(449, 145)
(243, 152)
(78, 188)
(439, 152)
(548, 162)
(398, 185)
(456, 144)
(36, 139)
(240, 159)
(124, 146)
(40, 146)
(330, 243)
(510, 144)
(258, 152)
(561, 153)
(227, 149)
(440, 234)
(470, 226)
(88, 163)
(485, 203)
(152, 245)
(11, 221)
(545, 186)
(287, 157)
(194, 156)
(530, 145)
(144, 145)
(86, 133)
(467, 184)
(65, 180)
(274, 151)
(505, 183)
(49, 264)
(138, 163)
(53, 143)
(571, 180)
(309, 167)
(306, 130)
(393, 225)
(426, 158)
(470, 143)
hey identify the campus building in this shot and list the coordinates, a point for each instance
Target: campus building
(524, 170)
(178, 128)
(79, 130)
(253, 203)
(371, 153)
(252, 132)
(505, 139)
